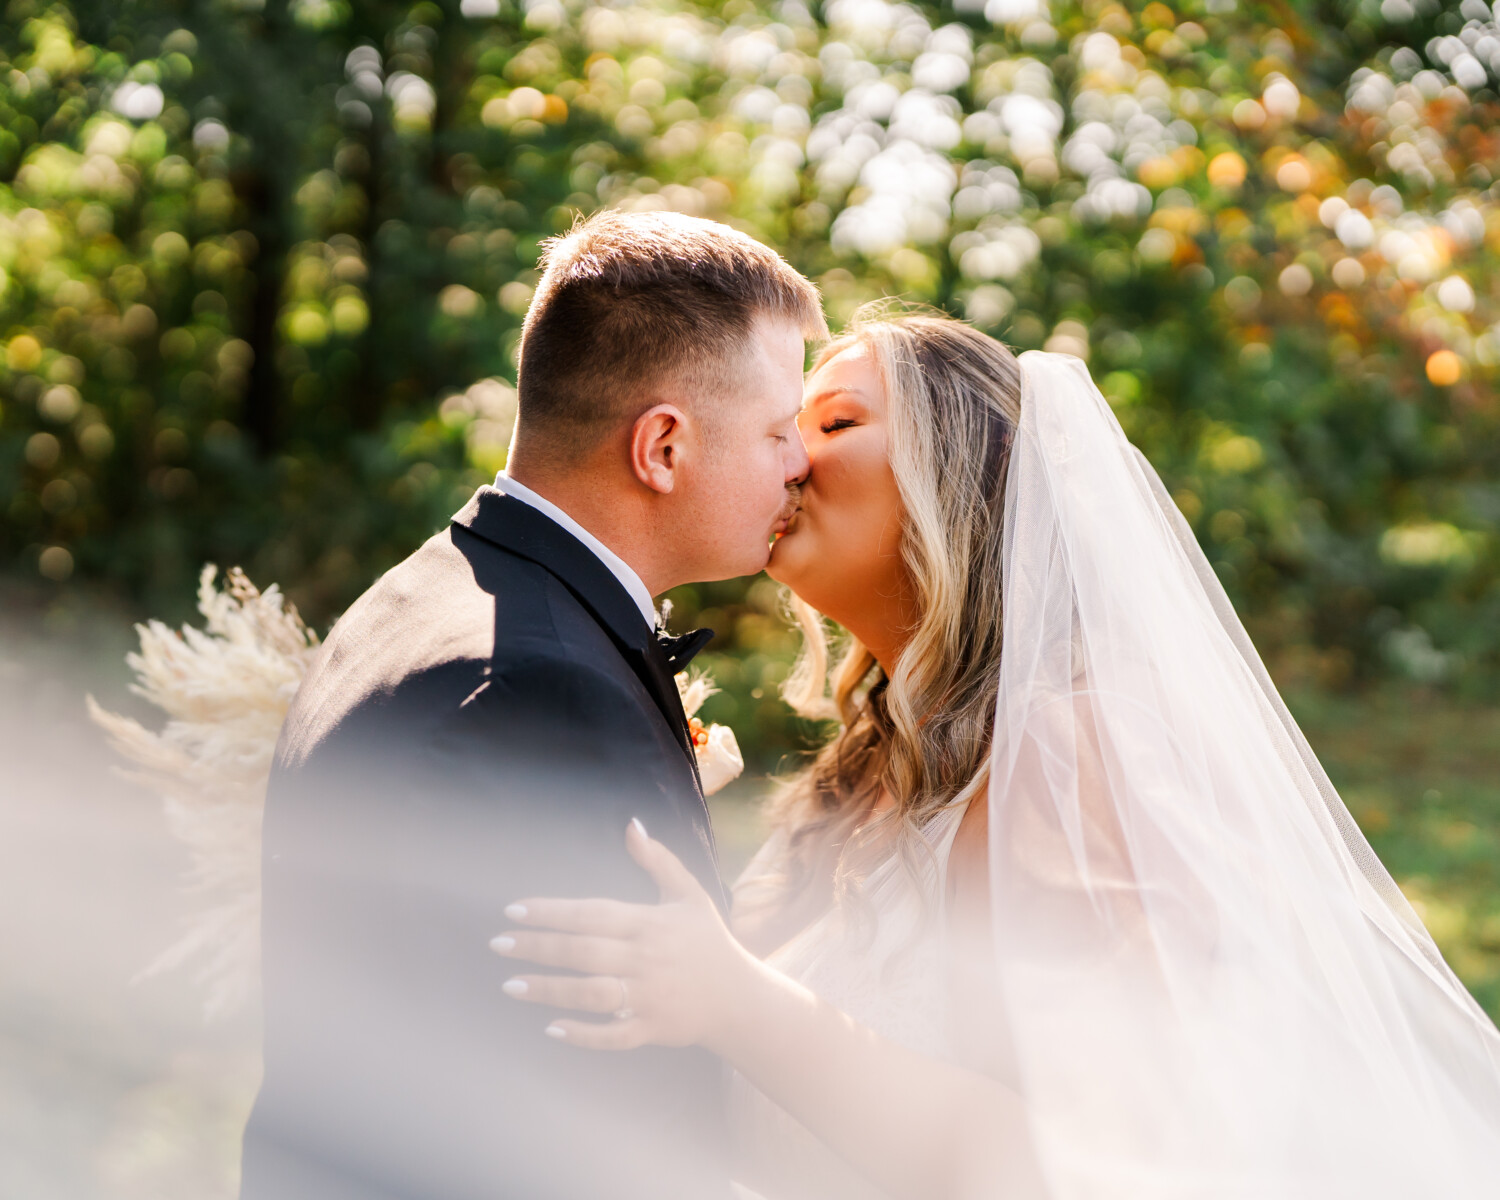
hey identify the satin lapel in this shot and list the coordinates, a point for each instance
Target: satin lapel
(662, 683)
(522, 530)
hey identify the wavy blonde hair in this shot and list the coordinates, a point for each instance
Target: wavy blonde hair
(923, 735)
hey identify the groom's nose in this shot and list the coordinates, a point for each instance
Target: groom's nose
(798, 465)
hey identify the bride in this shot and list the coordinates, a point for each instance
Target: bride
(1067, 907)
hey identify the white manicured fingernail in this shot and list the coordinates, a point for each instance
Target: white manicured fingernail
(639, 827)
(558, 1032)
(516, 912)
(503, 944)
(515, 987)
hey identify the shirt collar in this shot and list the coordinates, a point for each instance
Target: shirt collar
(618, 567)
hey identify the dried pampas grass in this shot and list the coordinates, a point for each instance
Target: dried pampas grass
(693, 688)
(225, 690)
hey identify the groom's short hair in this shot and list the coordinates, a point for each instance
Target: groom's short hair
(630, 299)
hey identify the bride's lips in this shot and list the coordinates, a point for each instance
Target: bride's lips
(785, 525)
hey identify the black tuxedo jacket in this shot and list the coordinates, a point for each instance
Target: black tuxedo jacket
(481, 726)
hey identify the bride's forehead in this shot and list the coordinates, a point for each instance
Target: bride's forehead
(846, 371)
(851, 355)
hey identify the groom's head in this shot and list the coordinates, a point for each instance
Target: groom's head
(661, 360)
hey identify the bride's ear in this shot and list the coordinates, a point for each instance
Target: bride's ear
(657, 441)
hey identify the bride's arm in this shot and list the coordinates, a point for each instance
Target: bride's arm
(916, 1126)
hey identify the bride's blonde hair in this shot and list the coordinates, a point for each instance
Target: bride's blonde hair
(953, 405)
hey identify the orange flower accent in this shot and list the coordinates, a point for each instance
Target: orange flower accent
(698, 732)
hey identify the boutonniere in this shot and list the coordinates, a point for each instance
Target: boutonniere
(718, 754)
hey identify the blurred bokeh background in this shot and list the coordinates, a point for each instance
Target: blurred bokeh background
(262, 270)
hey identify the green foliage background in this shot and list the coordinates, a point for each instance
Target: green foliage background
(263, 265)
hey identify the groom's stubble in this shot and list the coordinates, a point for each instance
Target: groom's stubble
(793, 501)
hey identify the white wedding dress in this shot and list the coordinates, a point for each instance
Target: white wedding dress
(883, 963)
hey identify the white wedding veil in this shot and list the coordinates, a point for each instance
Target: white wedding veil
(1212, 986)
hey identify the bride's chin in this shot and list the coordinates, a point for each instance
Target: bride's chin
(783, 558)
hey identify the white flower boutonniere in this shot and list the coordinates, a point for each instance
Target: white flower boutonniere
(719, 758)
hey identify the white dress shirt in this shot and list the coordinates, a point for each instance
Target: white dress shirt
(621, 570)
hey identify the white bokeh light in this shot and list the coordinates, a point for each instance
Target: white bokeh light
(138, 101)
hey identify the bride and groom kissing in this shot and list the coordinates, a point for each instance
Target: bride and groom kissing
(1082, 919)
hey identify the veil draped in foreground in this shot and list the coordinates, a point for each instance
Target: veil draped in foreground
(1212, 985)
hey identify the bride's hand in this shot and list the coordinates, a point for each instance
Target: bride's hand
(671, 972)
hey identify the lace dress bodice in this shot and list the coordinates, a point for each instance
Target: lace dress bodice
(884, 964)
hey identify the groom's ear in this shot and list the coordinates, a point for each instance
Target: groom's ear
(657, 441)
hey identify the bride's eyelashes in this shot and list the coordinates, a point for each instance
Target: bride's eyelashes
(836, 424)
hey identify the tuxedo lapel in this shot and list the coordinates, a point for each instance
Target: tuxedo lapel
(662, 684)
(517, 527)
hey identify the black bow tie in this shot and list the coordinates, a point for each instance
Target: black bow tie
(679, 651)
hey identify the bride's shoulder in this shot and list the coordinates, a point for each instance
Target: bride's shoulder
(759, 894)
(969, 866)
(777, 896)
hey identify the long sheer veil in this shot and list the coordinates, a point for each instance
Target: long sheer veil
(1212, 986)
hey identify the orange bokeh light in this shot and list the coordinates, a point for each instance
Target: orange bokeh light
(1444, 368)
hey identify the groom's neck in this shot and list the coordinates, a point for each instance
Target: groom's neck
(608, 507)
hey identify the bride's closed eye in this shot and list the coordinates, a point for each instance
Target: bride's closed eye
(836, 424)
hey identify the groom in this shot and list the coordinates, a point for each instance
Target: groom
(484, 722)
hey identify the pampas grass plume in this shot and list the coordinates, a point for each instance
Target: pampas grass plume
(225, 690)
